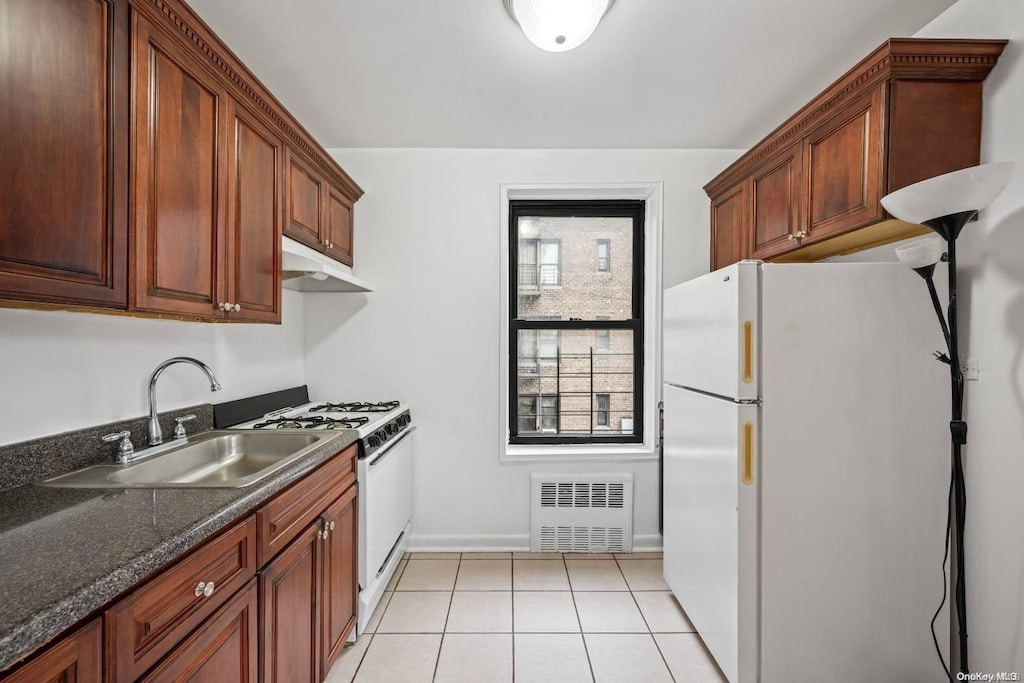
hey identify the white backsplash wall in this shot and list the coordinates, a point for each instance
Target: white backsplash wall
(991, 256)
(62, 371)
(427, 240)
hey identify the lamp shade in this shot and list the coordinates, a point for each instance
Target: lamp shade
(557, 25)
(967, 190)
(921, 253)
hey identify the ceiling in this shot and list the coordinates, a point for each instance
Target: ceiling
(460, 73)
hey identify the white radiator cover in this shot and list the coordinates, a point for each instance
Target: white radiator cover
(581, 513)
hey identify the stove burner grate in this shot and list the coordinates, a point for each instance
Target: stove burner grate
(356, 407)
(312, 422)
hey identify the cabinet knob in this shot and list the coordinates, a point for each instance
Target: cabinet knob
(801, 234)
(236, 308)
(204, 589)
(330, 245)
(224, 307)
(332, 526)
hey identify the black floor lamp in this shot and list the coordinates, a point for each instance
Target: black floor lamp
(945, 204)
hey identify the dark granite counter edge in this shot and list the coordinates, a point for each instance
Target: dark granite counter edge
(37, 631)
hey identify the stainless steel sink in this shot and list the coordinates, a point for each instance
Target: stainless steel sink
(224, 459)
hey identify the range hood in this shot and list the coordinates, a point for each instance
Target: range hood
(307, 270)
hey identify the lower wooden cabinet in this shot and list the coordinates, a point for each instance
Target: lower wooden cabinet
(340, 578)
(77, 658)
(308, 597)
(223, 650)
(289, 615)
(212, 617)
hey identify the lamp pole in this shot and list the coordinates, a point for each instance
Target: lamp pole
(950, 227)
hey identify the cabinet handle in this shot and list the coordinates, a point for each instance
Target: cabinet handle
(223, 307)
(236, 308)
(320, 535)
(332, 526)
(203, 589)
(791, 237)
(801, 234)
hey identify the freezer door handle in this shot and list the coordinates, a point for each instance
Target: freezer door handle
(748, 352)
(748, 453)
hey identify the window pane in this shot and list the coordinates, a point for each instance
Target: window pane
(556, 267)
(528, 272)
(603, 255)
(578, 390)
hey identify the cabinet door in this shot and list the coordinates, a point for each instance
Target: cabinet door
(289, 614)
(340, 577)
(775, 191)
(223, 648)
(843, 169)
(254, 218)
(339, 227)
(306, 200)
(77, 658)
(64, 151)
(178, 180)
(729, 227)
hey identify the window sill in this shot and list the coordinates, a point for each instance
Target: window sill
(572, 453)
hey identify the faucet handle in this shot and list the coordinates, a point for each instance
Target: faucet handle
(125, 449)
(179, 426)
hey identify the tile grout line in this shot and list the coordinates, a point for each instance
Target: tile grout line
(583, 637)
(444, 628)
(650, 632)
(397, 579)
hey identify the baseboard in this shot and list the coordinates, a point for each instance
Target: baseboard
(647, 543)
(444, 543)
(430, 543)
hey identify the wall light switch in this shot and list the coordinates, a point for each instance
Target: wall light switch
(970, 369)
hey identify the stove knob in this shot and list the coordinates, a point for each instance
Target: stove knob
(382, 435)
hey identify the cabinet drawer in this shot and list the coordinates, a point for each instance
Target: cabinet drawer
(153, 619)
(222, 650)
(284, 517)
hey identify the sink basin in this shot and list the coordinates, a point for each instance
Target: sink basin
(224, 459)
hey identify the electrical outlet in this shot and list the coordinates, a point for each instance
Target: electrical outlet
(970, 369)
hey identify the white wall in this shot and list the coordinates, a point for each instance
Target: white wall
(991, 253)
(61, 371)
(427, 239)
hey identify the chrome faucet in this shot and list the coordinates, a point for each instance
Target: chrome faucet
(155, 434)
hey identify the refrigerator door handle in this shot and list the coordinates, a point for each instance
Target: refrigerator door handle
(748, 352)
(747, 448)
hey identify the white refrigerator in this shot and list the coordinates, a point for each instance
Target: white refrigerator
(806, 470)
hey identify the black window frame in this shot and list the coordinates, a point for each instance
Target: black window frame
(634, 209)
(607, 258)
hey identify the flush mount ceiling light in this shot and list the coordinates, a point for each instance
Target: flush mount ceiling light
(558, 25)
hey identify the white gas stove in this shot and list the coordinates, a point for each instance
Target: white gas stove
(384, 476)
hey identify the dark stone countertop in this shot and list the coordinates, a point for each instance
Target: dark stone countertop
(64, 553)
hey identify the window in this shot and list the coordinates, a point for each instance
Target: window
(530, 421)
(603, 401)
(602, 338)
(537, 347)
(560, 389)
(540, 263)
(604, 255)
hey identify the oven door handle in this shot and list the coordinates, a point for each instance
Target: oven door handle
(391, 446)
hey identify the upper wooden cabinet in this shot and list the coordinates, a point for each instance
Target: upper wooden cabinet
(146, 169)
(179, 242)
(64, 151)
(319, 212)
(729, 226)
(812, 188)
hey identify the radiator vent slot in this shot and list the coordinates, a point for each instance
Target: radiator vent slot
(581, 513)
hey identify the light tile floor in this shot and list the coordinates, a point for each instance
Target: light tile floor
(528, 618)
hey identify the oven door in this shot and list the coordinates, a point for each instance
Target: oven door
(385, 504)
